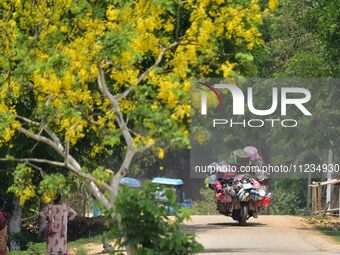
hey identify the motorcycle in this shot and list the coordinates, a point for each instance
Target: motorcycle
(241, 197)
(238, 195)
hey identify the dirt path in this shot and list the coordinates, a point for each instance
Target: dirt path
(265, 235)
(268, 235)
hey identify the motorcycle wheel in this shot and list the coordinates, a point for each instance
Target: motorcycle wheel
(243, 214)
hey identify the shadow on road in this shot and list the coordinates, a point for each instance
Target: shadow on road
(229, 250)
(220, 225)
(236, 224)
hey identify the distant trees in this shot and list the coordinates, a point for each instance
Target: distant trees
(301, 42)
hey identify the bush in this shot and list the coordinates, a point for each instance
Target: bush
(289, 196)
(206, 205)
(32, 249)
(143, 225)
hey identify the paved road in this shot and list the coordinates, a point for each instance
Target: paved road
(267, 235)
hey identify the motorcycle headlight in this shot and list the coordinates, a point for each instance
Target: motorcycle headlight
(262, 192)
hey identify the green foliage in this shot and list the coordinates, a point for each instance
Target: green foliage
(302, 40)
(206, 205)
(142, 223)
(33, 249)
(288, 196)
(81, 251)
(52, 183)
(23, 186)
(335, 235)
(27, 183)
(39, 248)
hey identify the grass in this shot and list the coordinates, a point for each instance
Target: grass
(83, 241)
(327, 225)
(76, 246)
(335, 235)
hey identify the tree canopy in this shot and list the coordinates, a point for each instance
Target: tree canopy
(85, 80)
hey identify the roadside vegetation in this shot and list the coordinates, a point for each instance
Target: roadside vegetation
(78, 247)
(327, 225)
(206, 205)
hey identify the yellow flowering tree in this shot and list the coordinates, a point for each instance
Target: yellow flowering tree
(88, 79)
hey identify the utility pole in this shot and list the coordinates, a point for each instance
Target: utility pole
(309, 189)
(329, 177)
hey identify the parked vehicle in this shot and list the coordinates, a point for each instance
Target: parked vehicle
(131, 182)
(177, 186)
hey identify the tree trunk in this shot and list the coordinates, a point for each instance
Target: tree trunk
(15, 225)
(42, 222)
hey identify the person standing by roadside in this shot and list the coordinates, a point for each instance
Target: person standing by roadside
(3, 229)
(57, 216)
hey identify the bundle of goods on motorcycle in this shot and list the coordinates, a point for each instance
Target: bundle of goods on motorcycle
(238, 195)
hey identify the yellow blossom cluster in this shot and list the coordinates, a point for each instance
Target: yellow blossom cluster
(23, 186)
(48, 196)
(26, 194)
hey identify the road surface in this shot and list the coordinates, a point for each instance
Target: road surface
(267, 235)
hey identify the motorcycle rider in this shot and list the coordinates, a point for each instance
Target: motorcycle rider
(247, 156)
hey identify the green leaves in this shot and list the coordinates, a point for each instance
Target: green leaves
(112, 140)
(23, 186)
(244, 57)
(142, 222)
(51, 184)
(288, 196)
(167, 5)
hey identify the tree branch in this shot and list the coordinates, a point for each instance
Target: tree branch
(28, 120)
(69, 161)
(74, 166)
(114, 102)
(115, 99)
(41, 171)
(84, 175)
(124, 167)
(36, 160)
(73, 169)
(99, 195)
(146, 72)
(44, 127)
(58, 147)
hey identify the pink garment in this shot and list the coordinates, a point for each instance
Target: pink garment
(220, 195)
(58, 216)
(3, 235)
